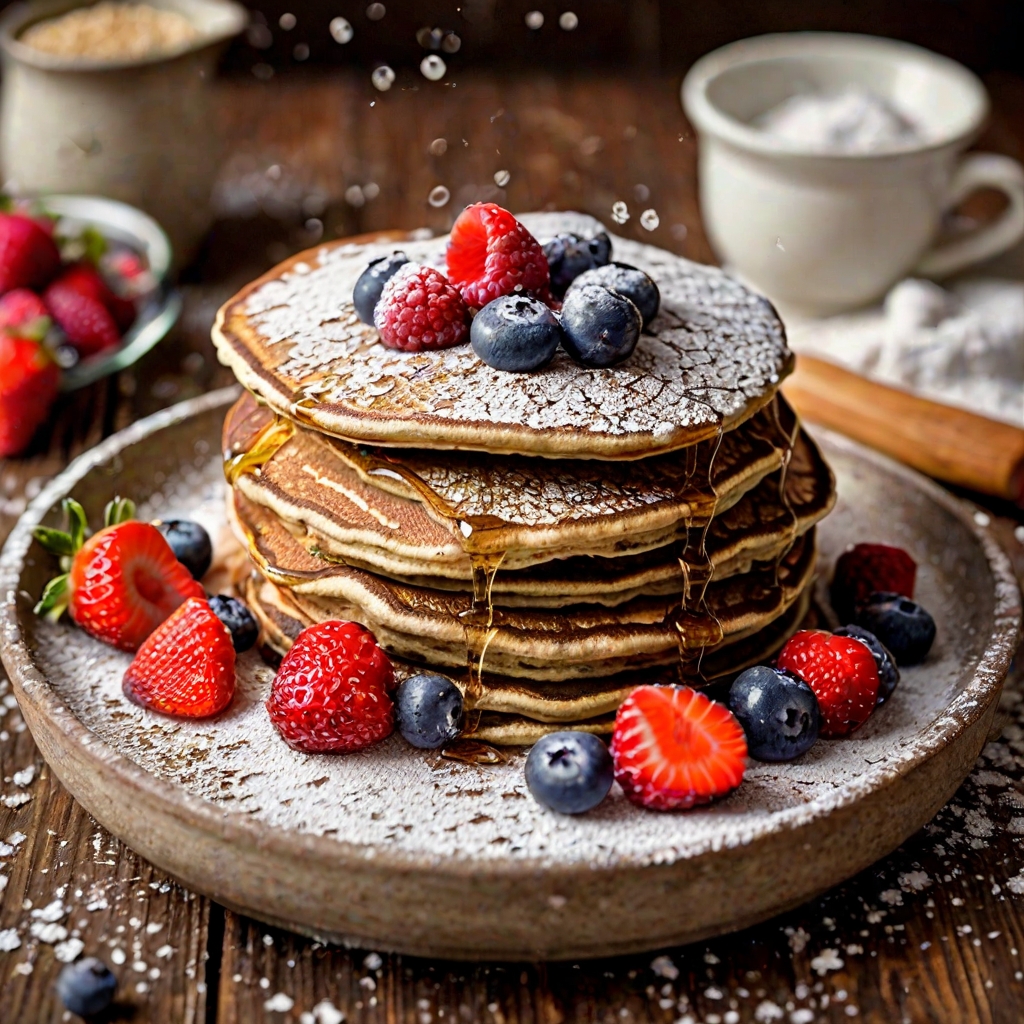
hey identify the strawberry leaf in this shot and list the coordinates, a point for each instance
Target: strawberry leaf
(57, 542)
(119, 510)
(55, 598)
(77, 522)
(95, 244)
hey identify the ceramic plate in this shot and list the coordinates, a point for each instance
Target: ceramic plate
(399, 849)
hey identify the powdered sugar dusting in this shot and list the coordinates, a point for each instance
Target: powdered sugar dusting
(391, 797)
(715, 349)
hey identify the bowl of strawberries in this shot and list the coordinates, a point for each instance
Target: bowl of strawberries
(84, 293)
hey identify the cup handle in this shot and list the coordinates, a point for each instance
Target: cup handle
(980, 170)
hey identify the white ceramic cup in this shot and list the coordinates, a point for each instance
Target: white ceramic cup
(820, 232)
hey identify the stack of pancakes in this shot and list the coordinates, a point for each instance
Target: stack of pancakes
(547, 540)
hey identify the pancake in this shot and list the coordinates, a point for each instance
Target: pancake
(574, 642)
(713, 357)
(508, 703)
(759, 528)
(412, 514)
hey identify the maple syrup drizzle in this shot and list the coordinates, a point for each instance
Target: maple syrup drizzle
(692, 617)
(259, 450)
(788, 438)
(483, 539)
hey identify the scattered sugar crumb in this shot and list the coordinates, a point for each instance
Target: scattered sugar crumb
(9, 940)
(1016, 884)
(914, 880)
(663, 967)
(51, 912)
(68, 950)
(279, 1003)
(25, 776)
(768, 1011)
(827, 960)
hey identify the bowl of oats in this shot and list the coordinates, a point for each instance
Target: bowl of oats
(113, 99)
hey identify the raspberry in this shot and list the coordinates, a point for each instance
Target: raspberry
(330, 693)
(419, 309)
(491, 254)
(865, 569)
(841, 671)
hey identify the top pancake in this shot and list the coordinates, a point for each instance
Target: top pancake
(713, 356)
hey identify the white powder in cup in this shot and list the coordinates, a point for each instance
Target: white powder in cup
(852, 121)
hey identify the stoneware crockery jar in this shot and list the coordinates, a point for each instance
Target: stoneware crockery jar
(140, 130)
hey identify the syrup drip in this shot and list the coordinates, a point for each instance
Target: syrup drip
(473, 752)
(692, 617)
(483, 540)
(258, 450)
(788, 434)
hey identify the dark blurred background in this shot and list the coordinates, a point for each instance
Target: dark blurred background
(653, 35)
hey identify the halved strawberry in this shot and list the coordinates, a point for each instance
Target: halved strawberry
(121, 583)
(186, 666)
(674, 748)
(491, 254)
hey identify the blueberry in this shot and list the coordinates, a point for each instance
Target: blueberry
(570, 255)
(366, 293)
(901, 624)
(637, 286)
(516, 333)
(190, 544)
(570, 772)
(888, 673)
(428, 710)
(778, 712)
(86, 987)
(601, 327)
(239, 620)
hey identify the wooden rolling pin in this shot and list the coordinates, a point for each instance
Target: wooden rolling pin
(945, 442)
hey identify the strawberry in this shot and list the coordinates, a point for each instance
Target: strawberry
(491, 254)
(23, 315)
(674, 748)
(85, 279)
(842, 672)
(84, 318)
(28, 254)
(186, 666)
(866, 569)
(121, 583)
(330, 693)
(28, 386)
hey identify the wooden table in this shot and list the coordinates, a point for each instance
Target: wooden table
(933, 933)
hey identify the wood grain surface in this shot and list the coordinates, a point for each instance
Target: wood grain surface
(935, 933)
